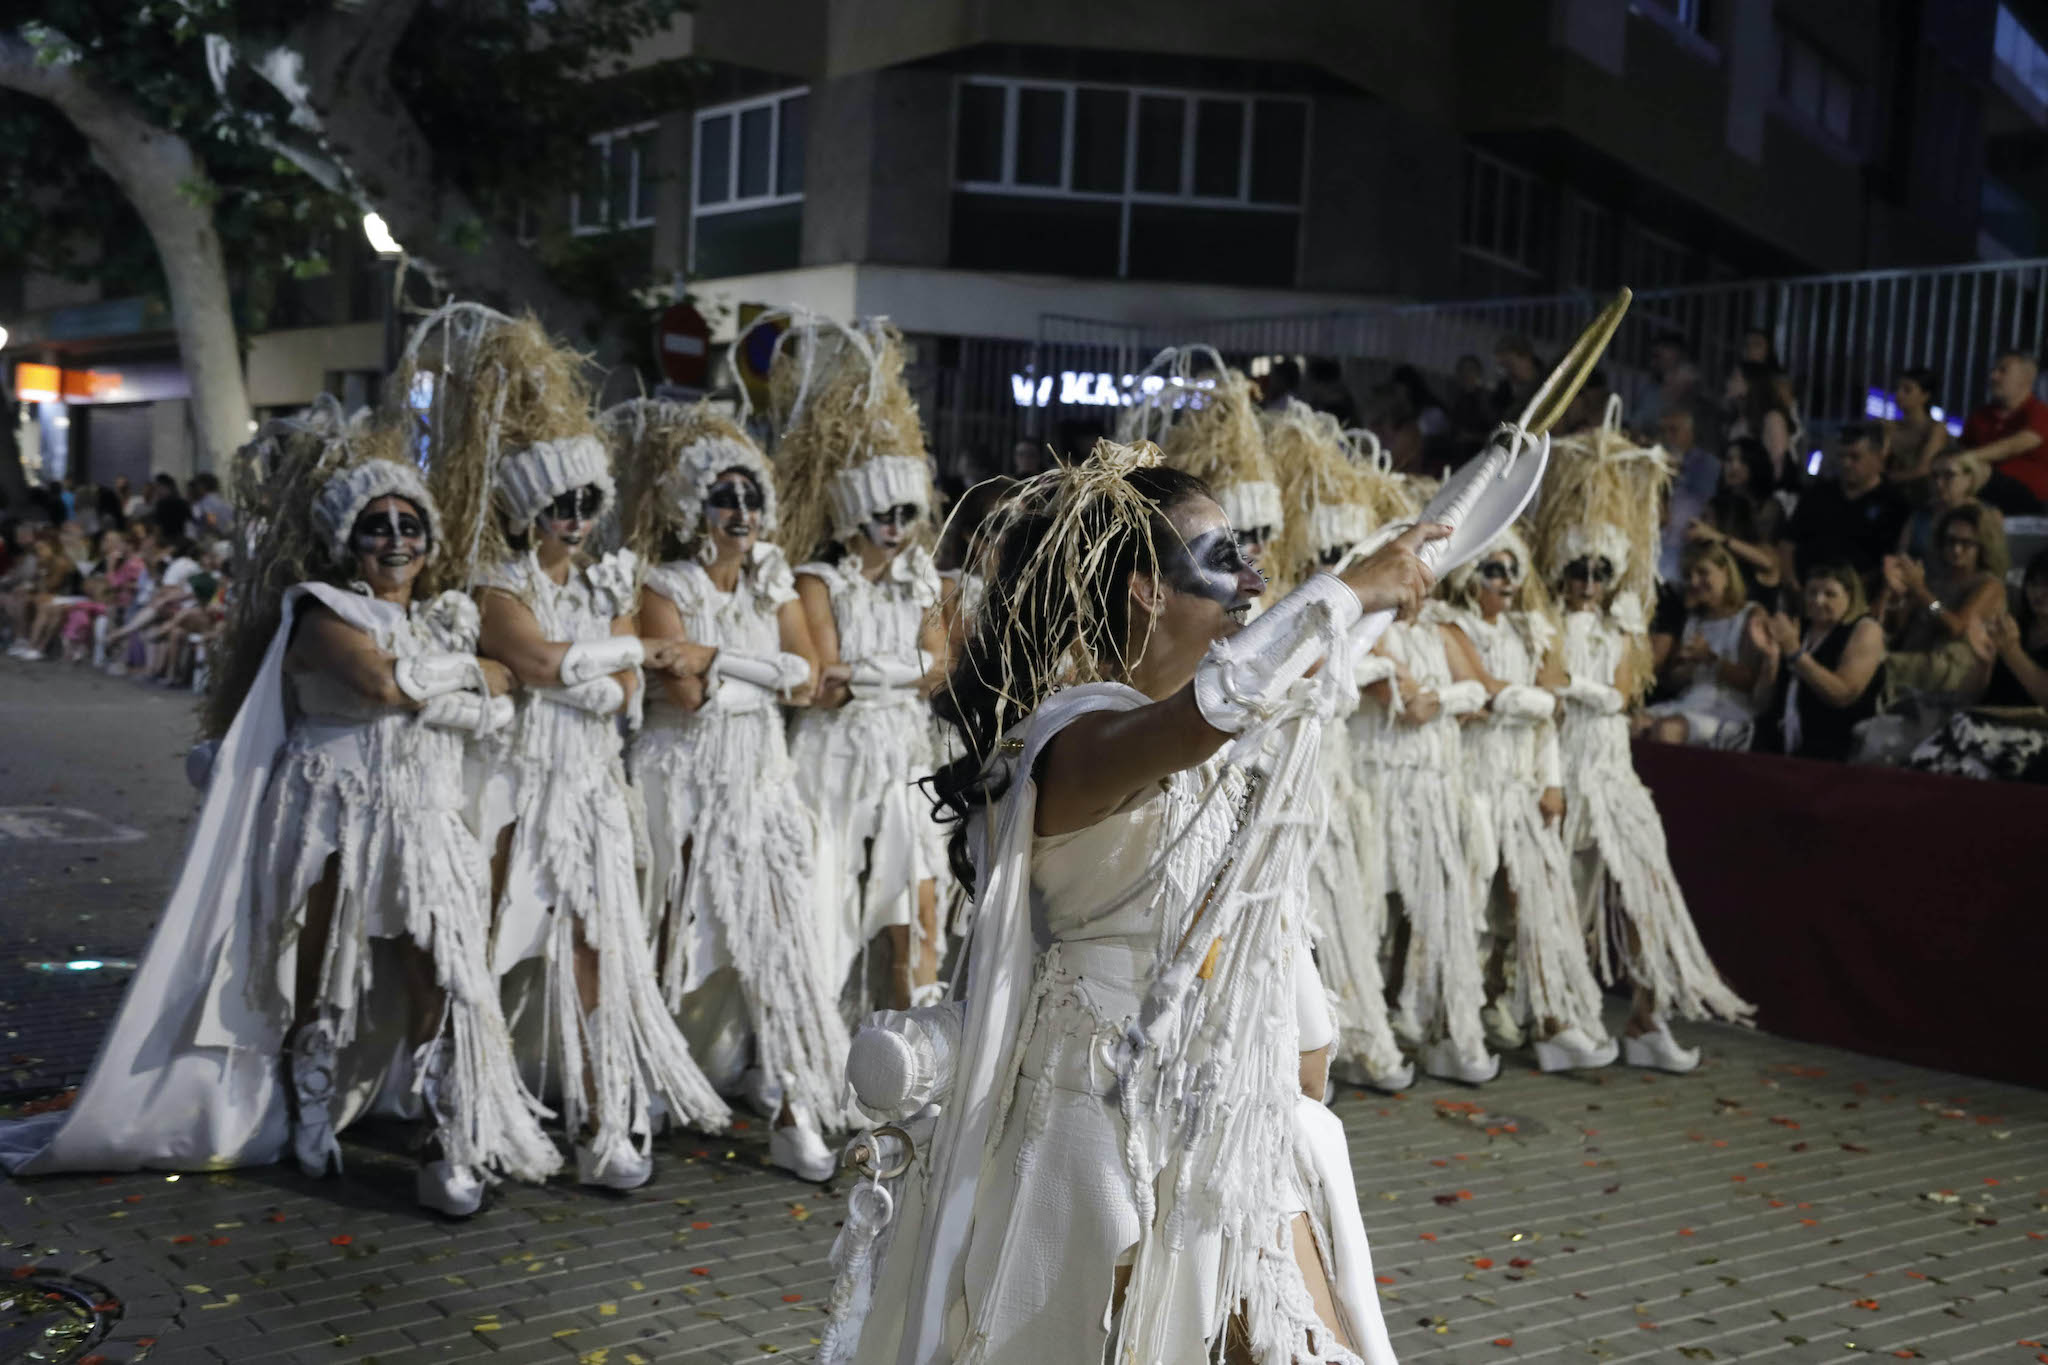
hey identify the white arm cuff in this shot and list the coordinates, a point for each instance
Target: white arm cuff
(779, 672)
(601, 696)
(1520, 704)
(589, 659)
(1462, 698)
(468, 711)
(1242, 680)
(1598, 698)
(872, 677)
(902, 1060)
(423, 677)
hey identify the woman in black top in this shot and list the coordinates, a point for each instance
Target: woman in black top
(1825, 683)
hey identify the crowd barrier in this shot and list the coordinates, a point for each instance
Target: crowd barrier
(1893, 913)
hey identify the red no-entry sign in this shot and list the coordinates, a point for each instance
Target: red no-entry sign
(682, 343)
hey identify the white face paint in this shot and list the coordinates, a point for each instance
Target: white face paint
(390, 541)
(571, 517)
(1214, 565)
(890, 527)
(733, 509)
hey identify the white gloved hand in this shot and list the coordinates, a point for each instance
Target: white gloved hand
(1462, 698)
(1598, 698)
(589, 659)
(779, 672)
(1243, 679)
(876, 677)
(601, 696)
(1520, 704)
(423, 677)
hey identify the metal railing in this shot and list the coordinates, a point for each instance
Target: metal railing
(1838, 336)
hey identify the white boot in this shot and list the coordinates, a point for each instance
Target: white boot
(448, 1188)
(1573, 1049)
(762, 1092)
(312, 1072)
(1659, 1051)
(1500, 1023)
(1388, 1080)
(1443, 1060)
(626, 1169)
(798, 1149)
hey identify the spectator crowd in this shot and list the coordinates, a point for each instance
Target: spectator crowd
(129, 581)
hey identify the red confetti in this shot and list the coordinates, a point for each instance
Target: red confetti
(22, 1272)
(1521, 1263)
(1503, 1341)
(1798, 1146)
(1784, 1122)
(1915, 1275)
(1811, 1222)
(1429, 1237)
(700, 1227)
(1646, 1326)
(1685, 1232)
(216, 1241)
(1438, 1161)
(1867, 1305)
(183, 1239)
(137, 1199)
(2037, 1236)
(340, 1240)
(1777, 1203)
(1464, 1194)
(1852, 1147)
(1989, 1180)
(277, 1218)
(792, 1298)
(1720, 1142)
(1384, 1279)
(1739, 1179)
(1483, 1262)
(700, 1270)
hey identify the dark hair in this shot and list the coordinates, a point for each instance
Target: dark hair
(956, 542)
(1419, 396)
(1770, 345)
(1853, 432)
(2036, 571)
(1925, 378)
(2021, 353)
(1762, 398)
(1014, 636)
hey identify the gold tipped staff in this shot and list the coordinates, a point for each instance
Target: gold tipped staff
(1550, 401)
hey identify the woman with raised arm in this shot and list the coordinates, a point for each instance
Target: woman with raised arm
(857, 499)
(1501, 636)
(1124, 1165)
(729, 883)
(331, 857)
(524, 477)
(1596, 536)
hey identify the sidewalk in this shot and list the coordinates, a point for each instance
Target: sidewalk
(1784, 1203)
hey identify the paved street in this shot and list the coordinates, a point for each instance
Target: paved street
(1785, 1203)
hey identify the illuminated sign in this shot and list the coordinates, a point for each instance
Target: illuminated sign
(1094, 389)
(49, 384)
(37, 383)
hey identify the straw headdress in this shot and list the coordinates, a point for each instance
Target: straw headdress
(1205, 417)
(303, 481)
(668, 456)
(848, 439)
(505, 413)
(1334, 495)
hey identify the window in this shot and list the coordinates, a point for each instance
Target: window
(618, 182)
(1501, 214)
(2021, 61)
(1123, 161)
(1685, 20)
(1815, 89)
(746, 212)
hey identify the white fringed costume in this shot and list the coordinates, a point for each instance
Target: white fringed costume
(1627, 892)
(719, 782)
(560, 782)
(1524, 874)
(1416, 776)
(877, 840)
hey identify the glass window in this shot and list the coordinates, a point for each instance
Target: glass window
(2021, 54)
(1101, 122)
(643, 176)
(1219, 147)
(1279, 145)
(714, 159)
(789, 145)
(619, 182)
(757, 136)
(980, 152)
(1041, 135)
(1162, 121)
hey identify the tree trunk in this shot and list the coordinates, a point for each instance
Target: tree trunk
(335, 70)
(156, 170)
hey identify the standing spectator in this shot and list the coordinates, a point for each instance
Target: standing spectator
(1825, 683)
(171, 512)
(1915, 437)
(1679, 386)
(1280, 384)
(1744, 519)
(1027, 458)
(212, 517)
(1520, 373)
(1697, 475)
(2010, 432)
(1472, 411)
(1855, 520)
(1759, 349)
(1754, 408)
(1420, 441)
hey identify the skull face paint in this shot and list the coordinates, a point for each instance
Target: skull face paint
(734, 506)
(390, 540)
(569, 517)
(1252, 542)
(888, 527)
(1215, 566)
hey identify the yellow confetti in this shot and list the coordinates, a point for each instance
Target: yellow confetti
(635, 1358)
(228, 1302)
(607, 1310)
(197, 1289)
(597, 1357)
(567, 1332)
(487, 1327)
(636, 1285)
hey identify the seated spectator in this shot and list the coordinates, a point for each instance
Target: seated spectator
(2010, 433)
(1280, 383)
(172, 514)
(1914, 438)
(171, 645)
(62, 586)
(1679, 386)
(212, 517)
(2012, 655)
(1713, 670)
(1928, 610)
(1854, 519)
(109, 587)
(1589, 409)
(1819, 686)
(1422, 441)
(19, 585)
(1744, 519)
(1758, 348)
(1955, 477)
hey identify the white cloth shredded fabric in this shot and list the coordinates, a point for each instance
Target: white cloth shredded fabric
(876, 837)
(190, 1076)
(718, 782)
(561, 784)
(1416, 775)
(1627, 893)
(1524, 872)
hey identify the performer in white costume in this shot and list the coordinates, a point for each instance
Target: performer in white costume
(1596, 538)
(524, 476)
(857, 499)
(1124, 1165)
(1333, 500)
(331, 859)
(730, 880)
(1205, 418)
(1504, 638)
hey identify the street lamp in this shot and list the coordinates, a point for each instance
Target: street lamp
(381, 240)
(389, 257)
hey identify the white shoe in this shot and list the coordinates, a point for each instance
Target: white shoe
(762, 1092)
(627, 1171)
(798, 1149)
(448, 1188)
(1659, 1051)
(1500, 1023)
(312, 1073)
(1391, 1079)
(22, 652)
(1444, 1061)
(1573, 1049)
(117, 670)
